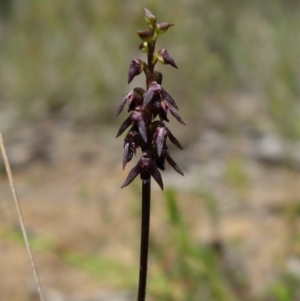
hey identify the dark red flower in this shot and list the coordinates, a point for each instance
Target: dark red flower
(160, 161)
(138, 118)
(160, 135)
(164, 57)
(136, 67)
(134, 98)
(148, 165)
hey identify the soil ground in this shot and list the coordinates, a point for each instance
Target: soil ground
(69, 188)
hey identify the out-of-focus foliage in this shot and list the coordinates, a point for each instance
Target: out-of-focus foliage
(69, 57)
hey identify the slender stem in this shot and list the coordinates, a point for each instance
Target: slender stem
(145, 226)
(151, 49)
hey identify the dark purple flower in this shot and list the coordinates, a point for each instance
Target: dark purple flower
(160, 108)
(160, 135)
(148, 165)
(168, 98)
(164, 57)
(145, 106)
(132, 141)
(134, 98)
(153, 90)
(146, 35)
(163, 27)
(136, 67)
(160, 161)
(138, 118)
(150, 18)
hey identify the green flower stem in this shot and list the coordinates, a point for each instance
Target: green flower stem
(145, 227)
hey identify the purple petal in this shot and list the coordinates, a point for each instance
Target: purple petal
(148, 97)
(160, 140)
(124, 126)
(132, 174)
(160, 162)
(169, 60)
(152, 169)
(142, 126)
(154, 88)
(173, 163)
(135, 69)
(125, 155)
(175, 113)
(121, 106)
(174, 140)
(168, 98)
(163, 116)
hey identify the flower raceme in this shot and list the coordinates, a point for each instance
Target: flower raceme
(145, 131)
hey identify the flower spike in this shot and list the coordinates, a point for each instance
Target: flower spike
(145, 132)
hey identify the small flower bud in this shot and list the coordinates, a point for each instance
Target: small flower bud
(158, 77)
(136, 67)
(153, 90)
(137, 118)
(144, 47)
(135, 99)
(132, 141)
(150, 18)
(146, 35)
(164, 57)
(163, 27)
(159, 135)
(160, 108)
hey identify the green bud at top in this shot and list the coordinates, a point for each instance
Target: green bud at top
(150, 18)
(163, 27)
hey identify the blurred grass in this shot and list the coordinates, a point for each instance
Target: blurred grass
(185, 269)
(72, 57)
(182, 267)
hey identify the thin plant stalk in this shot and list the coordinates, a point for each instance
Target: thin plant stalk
(147, 129)
(145, 228)
(21, 220)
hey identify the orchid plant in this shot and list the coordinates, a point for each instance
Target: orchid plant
(147, 130)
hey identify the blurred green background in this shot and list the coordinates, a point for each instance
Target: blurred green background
(69, 57)
(238, 89)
